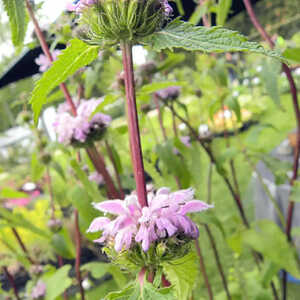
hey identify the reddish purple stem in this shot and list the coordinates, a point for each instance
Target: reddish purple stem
(133, 125)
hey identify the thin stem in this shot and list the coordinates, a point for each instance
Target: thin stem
(61, 264)
(203, 269)
(47, 52)
(78, 254)
(209, 182)
(160, 118)
(22, 245)
(174, 122)
(210, 154)
(133, 125)
(294, 94)
(113, 161)
(12, 283)
(218, 260)
(99, 163)
(49, 183)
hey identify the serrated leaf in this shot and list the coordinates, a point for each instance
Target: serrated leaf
(179, 34)
(125, 294)
(150, 293)
(182, 274)
(18, 21)
(74, 57)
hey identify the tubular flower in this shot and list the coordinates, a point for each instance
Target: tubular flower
(77, 130)
(78, 5)
(166, 216)
(39, 290)
(44, 62)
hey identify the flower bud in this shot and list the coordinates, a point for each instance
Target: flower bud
(110, 21)
(55, 225)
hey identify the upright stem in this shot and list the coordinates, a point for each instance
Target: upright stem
(12, 282)
(294, 94)
(218, 260)
(113, 161)
(22, 245)
(99, 163)
(133, 125)
(213, 160)
(47, 52)
(78, 254)
(203, 270)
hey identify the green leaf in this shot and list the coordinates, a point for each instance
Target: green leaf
(295, 194)
(37, 167)
(126, 294)
(119, 276)
(182, 274)
(57, 283)
(150, 292)
(96, 269)
(198, 13)
(179, 34)
(234, 105)
(18, 20)
(292, 54)
(63, 245)
(270, 74)
(10, 193)
(223, 10)
(270, 270)
(74, 57)
(172, 61)
(107, 100)
(268, 239)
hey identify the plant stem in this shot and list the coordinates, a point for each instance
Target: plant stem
(22, 245)
(12, 283)
(209, 182)
(78, 254)
(133, 125)
(112, 159)
(203, 269)
(213, 160)
(47, 52)
(99, 163)
(218, 260)
(294, 94)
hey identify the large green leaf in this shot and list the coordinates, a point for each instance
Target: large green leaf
(8, 192)
(16, 12)
(268, 239)
(182, 274)
(74, 57)
(57, 283)
(179, 34)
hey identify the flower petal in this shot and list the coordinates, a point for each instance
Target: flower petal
(115, 207)
(194, 206)
(98, 224)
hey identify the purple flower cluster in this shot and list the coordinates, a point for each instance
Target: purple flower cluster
(44, 62)
(171, 92)
(78, 128)
(96, 177)
(79, 5)
(164, 217)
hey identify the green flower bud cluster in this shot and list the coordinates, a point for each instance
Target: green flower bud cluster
(111, 21)
(164, 250)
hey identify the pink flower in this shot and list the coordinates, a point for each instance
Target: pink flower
(96, 177)
(70, 128)
(44, 62)
(168, 10)
(39, 290)
(164, 217)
